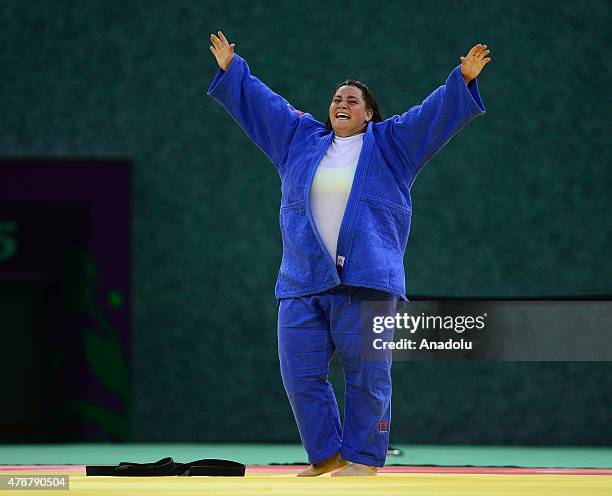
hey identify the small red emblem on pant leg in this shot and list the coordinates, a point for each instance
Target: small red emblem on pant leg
(383, 426)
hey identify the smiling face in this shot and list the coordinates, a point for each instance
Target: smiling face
(348, 113)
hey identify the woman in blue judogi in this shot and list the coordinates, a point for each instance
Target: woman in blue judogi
(344, 217)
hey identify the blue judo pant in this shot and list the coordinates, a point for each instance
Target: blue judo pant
(310, 329)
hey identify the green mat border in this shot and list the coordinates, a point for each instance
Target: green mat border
(290, 454)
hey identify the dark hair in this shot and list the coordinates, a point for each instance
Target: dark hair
(368, 96)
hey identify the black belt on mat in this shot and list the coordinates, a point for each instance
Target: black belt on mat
(167, 466)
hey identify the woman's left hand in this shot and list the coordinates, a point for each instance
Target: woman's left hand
(472, 64)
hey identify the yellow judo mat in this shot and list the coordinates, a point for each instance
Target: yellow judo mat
(270, 469)
(286, 483)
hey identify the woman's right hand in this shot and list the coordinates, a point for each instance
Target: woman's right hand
(222, 50)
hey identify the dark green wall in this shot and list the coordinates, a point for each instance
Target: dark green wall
(518, 204)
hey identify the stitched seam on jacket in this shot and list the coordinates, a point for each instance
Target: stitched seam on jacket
(374, 285)
(307, 291)
(291, 205)
(388, 202)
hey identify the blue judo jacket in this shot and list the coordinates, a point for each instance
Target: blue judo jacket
(374, 230)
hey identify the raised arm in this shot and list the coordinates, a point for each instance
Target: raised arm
(419, 133)
(267, 118)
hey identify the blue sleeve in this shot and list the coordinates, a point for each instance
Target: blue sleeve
(267, 118)
(419, 133)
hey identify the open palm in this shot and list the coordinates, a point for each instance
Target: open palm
(472, 64)
(222, 50)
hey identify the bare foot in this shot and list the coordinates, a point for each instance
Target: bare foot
(332, 463)
(357, 469)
